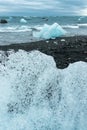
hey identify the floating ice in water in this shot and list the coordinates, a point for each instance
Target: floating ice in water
(34, 94)
(81, 18)
(23, 21)
(50, 31)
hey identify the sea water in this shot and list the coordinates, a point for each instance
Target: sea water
(21, 29)
(36, 95)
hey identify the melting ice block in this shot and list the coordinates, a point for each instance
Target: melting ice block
(50, 31)
(35, 95)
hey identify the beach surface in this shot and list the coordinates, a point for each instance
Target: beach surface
(65, 50)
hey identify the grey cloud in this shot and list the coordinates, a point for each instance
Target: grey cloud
(43, 7)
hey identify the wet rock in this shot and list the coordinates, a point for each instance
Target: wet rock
(3, 21)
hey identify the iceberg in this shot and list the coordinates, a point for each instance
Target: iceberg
(79, 19)
(23, 21)
(35, 95)
(50, 31)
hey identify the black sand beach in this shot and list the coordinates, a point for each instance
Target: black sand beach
(65, 50)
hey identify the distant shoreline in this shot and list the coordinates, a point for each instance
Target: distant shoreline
(65, 50)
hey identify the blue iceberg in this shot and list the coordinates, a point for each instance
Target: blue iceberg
(23, 21)
(50, 31)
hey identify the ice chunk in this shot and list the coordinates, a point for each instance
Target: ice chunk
(63, 40)
(23, 21)
(79, 19)
(50, 31)
(34, 94)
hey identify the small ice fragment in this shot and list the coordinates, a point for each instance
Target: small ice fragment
(47, 41)
(62, 40)
(79, 19)
(23, 21)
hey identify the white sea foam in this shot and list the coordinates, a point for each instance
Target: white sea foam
(15, 29)
(50, 31)
(82, 25)
(34, 94)
(71, 26)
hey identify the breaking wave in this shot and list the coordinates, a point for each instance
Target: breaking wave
(71, 26)
(35, 95)
(37, 28)
(15, 29)
(82, 25)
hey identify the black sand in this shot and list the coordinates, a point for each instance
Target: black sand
(66, 51)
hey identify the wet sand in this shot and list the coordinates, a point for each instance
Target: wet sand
(65, 50)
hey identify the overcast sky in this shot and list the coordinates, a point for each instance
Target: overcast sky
(43, 7)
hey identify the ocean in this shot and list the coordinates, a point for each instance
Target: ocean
(19, 31)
